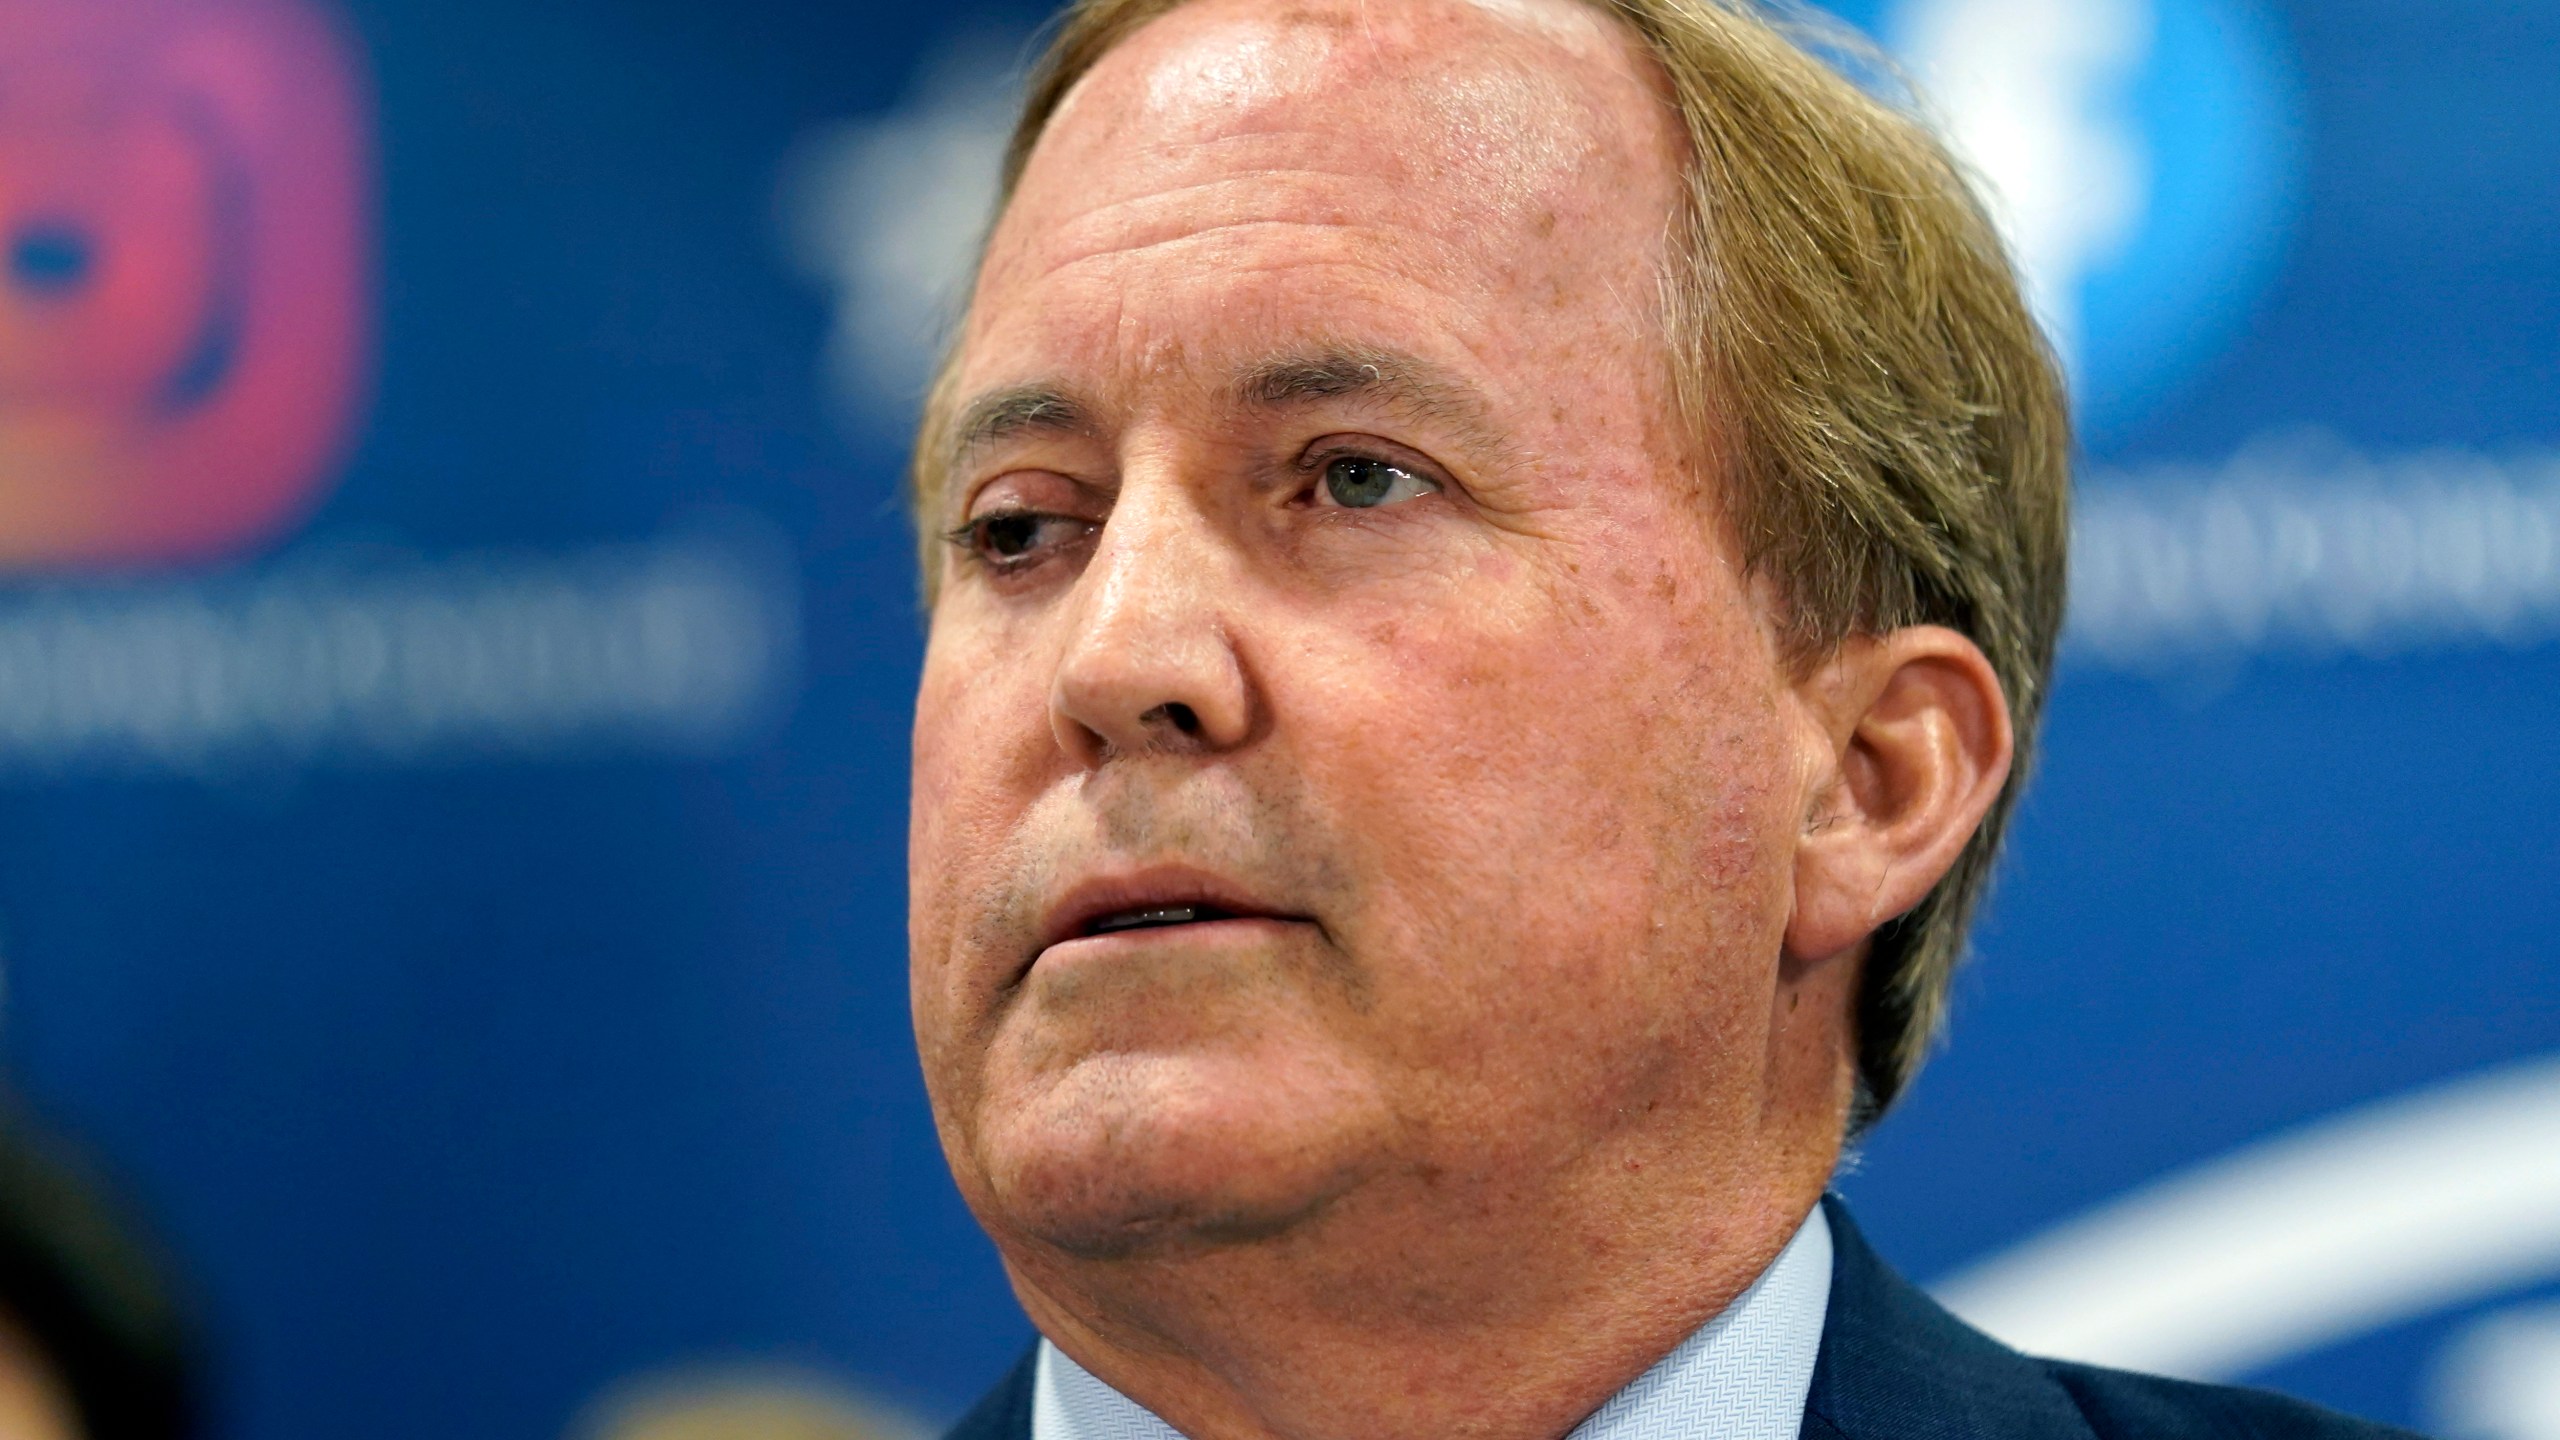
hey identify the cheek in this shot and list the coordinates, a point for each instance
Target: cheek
(978, 750)
(982, 741)
(948, 702)
(1571, 814)
(937, 778)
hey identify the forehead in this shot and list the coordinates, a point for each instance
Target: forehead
(1507, 83)
(1336, 163)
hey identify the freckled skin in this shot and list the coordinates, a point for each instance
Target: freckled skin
(1535, 1087)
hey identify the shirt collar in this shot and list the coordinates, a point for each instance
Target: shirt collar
(1741, 1376)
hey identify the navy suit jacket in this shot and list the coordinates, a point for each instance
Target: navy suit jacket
(1896, 1366)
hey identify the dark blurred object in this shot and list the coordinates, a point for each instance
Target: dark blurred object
(90, 1299)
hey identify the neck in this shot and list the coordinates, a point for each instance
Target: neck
(1377, 1318)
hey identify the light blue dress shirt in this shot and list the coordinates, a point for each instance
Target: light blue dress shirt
(1741, 1376)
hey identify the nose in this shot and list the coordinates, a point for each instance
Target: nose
(1151, 664)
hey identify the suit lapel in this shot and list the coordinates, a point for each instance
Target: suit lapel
(1894, 1364)
(1006, 1412)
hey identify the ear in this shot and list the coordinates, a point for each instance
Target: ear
(1913, 746)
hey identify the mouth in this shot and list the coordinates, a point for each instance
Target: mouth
(1154, 917)
(1137, 904)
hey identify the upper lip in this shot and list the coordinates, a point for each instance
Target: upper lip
(1073, 913)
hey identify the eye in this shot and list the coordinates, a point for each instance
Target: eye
(1006, 540)
(1360, 482)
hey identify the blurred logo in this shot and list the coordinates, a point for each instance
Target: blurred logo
(2409, 1207)
(2500, 1380)
(2141, 156)
(2300, 544)
(182, 302)
(887, 214)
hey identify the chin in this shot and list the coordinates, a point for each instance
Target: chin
(1124, 1155)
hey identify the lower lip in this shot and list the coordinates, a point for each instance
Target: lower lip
(1233, 931)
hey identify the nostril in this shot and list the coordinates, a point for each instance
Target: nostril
(1180, 716)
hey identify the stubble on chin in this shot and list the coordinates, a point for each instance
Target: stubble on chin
(1160, 1103)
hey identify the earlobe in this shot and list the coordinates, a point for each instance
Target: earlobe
(1915, 744)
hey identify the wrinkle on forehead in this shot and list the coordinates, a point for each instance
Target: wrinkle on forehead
(1202, 209)
(1442, 172)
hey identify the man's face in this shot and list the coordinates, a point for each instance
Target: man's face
(1351, 767)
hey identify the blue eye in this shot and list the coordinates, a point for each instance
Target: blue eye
(1357, 482)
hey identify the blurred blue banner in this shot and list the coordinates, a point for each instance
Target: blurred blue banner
(458, 628)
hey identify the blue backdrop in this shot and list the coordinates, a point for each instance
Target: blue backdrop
(463, 898)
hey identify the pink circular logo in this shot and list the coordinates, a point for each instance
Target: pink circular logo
(184, 275)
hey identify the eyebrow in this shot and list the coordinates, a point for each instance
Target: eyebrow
(1011, 413)
(1405, 384)
(1411, 387)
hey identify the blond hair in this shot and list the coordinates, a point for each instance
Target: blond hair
(1894, 445)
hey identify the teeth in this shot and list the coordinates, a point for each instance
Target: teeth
(1150, 917)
